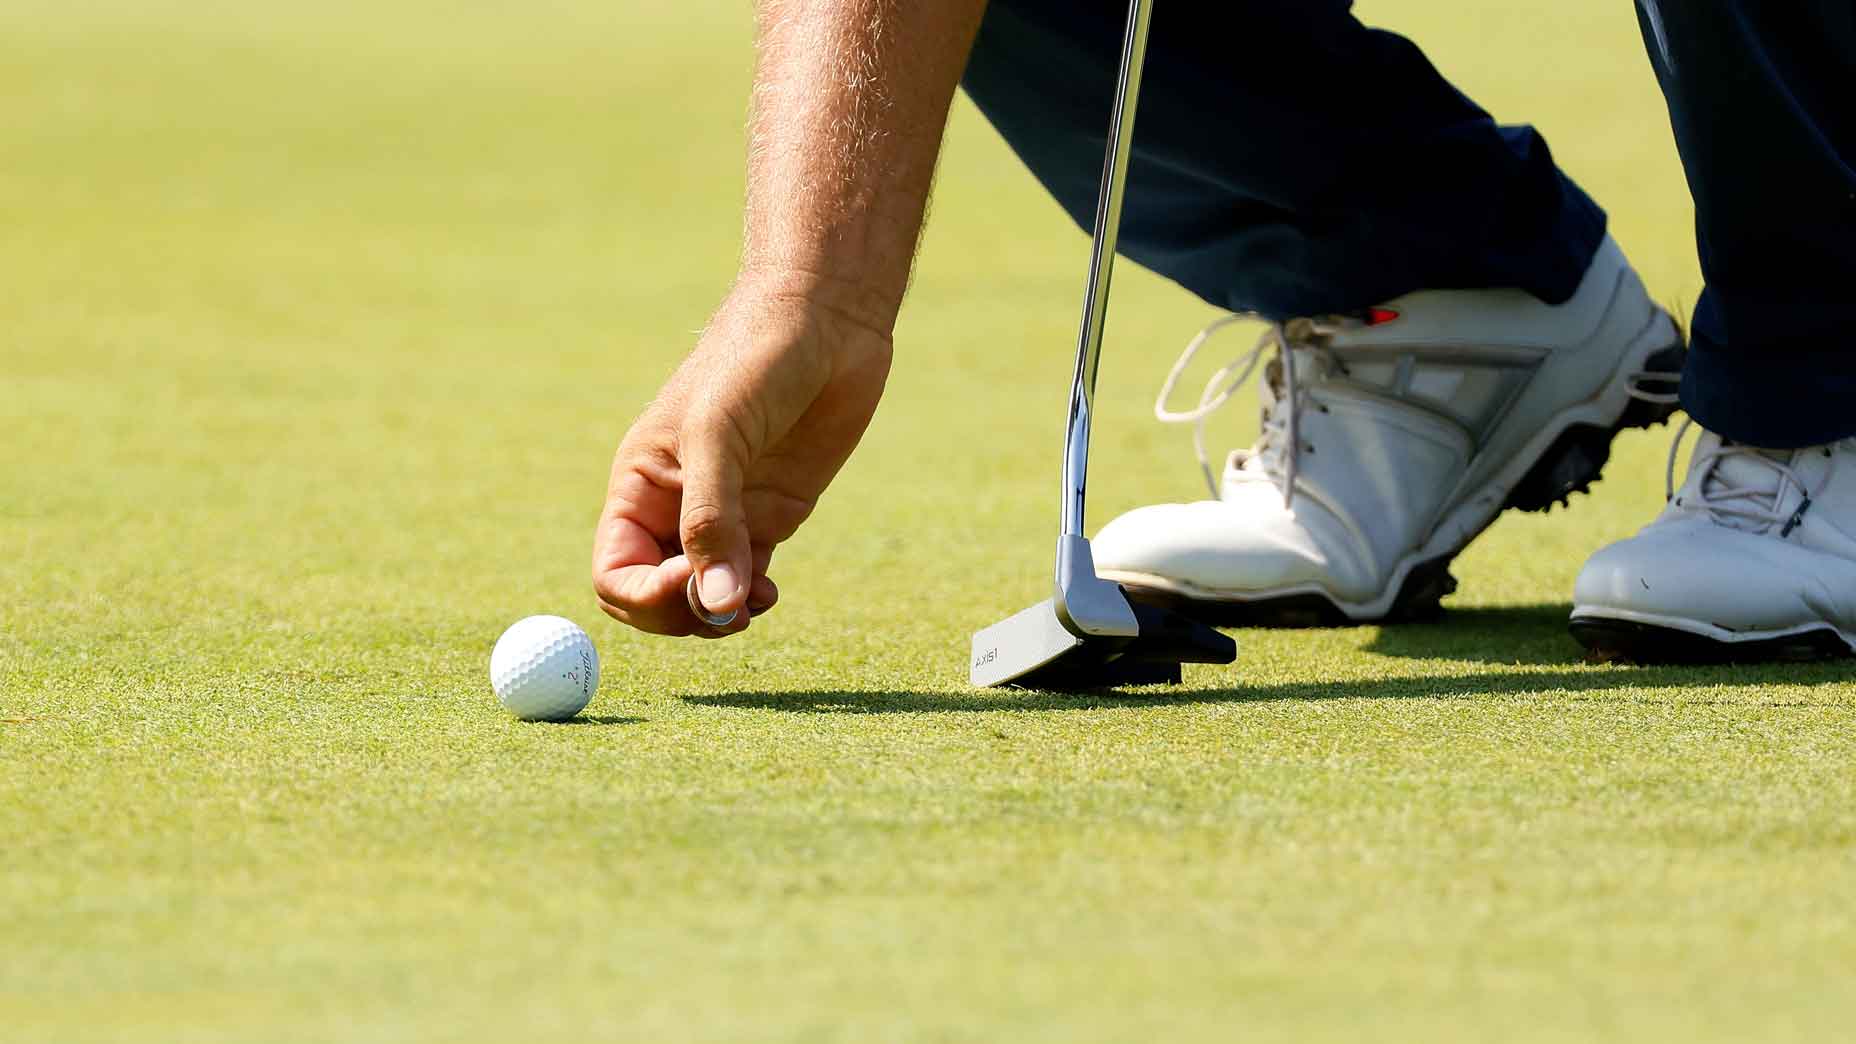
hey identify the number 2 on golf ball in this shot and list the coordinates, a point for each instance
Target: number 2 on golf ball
(544, 668)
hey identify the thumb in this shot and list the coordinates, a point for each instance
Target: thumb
(713, 527)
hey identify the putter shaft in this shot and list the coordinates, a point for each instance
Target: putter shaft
(1089, 634)
(1102, 265)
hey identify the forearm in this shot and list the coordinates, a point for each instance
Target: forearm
(850, 103)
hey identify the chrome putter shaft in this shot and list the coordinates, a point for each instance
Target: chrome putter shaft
(1089, 634)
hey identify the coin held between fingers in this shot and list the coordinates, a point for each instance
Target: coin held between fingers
(696, 606)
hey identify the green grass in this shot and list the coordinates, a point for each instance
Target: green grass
(318, 324)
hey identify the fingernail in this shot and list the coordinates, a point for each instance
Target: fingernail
(718, 584)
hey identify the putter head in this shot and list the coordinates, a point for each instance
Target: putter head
(1091, 635)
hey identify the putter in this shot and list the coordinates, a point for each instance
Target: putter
(1091, 635)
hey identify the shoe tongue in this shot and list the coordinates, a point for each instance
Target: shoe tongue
(1746, 471)
(1271, 386)
(1743, 470)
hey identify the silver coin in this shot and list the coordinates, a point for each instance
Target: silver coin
(712, 619)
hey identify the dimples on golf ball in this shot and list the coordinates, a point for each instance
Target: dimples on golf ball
(544, 668)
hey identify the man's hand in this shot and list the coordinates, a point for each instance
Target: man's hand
(850, 99)
(731, 457)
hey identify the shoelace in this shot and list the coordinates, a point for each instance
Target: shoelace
(1279, 441)
(1283, 435)
(1722, 499)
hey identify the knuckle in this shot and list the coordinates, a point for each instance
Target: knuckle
(704, 526)
(716, 424)
(607, 591)
(643, 619)
(614, 611)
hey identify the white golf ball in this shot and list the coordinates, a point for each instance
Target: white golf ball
(544, 668)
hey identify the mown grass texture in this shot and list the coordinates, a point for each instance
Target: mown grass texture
(317, 327)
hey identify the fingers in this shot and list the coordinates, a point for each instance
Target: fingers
(651, 598)
(647, 596)
(763, 594)
(637, 573)
(629, 557)
(713, 526)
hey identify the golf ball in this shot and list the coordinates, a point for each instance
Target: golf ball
(544, 668)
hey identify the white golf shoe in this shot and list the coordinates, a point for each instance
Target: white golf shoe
(1753, 559)
(1391, 439)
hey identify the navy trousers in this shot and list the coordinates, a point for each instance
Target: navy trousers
(1289, 160)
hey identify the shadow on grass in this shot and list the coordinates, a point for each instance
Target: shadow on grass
(1579, 684)
(602, 719)
(1526, 634)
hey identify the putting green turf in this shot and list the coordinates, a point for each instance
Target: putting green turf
(318, 324)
